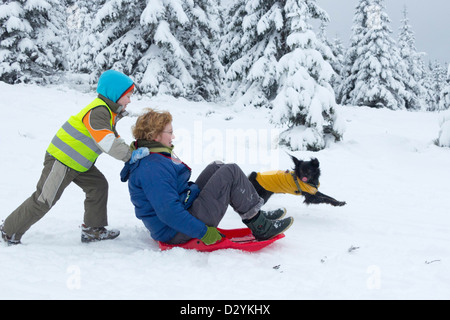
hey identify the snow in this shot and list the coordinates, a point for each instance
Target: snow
(152, 12)
(391, 240)
(444, 132)
(10, 9)
(40, 5)
(163, 35)
(14, 23)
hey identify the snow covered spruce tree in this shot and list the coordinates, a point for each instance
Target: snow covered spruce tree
(275, 60)
(251, 47)
(430, 90)
(435, 81)
(166, 45)
(335, 56)
(444, 101)
(84, 40)
(119, 41)
(415, 66)
(181, 59)
(200, 38)
(32, 40)
(305, 103)
(338, 51)
(374, 73)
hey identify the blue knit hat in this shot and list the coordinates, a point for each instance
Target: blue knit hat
(113, 84)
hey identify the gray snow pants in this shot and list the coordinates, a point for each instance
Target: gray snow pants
(54, 179)
(222, 185)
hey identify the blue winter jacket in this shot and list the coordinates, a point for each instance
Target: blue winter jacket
(161, 193)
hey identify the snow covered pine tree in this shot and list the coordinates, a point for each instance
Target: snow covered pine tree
(275, 60)
(84, 39)
(166, 46)
(32, 44)
(444, 101)
(374, 73)
(415, 65)
(181, 59)
(306, 100)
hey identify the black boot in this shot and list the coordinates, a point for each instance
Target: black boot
(274, 214)
(264, 229)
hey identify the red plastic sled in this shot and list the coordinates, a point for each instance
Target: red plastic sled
(240, 239)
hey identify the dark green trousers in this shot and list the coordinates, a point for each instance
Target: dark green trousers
(54, 179)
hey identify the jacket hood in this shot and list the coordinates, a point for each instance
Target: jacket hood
(115, 107)
(113, 84)
(127, 170)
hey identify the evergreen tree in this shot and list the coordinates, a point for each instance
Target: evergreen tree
(231, 44)
(275, 60)
(83, 38)
(32, 40)
(200, 39)
(324, 45)
(374, 71)
(180, 59)
(258, 41)
(413, 60)
(436, 83)
(164, 66)
(444, 101)
(305, 104)
(168, 46)
(338, 50)
(332, 53)
(120, 40)
(358, 32)
(428, 84)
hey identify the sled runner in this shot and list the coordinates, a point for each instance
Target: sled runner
(241, 239)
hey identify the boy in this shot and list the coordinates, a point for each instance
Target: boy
(71, 157)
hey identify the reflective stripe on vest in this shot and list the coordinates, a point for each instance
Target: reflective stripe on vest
(73, 144)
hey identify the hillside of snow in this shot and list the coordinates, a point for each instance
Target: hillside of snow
(391, 240)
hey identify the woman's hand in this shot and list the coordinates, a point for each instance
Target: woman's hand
(211, 236)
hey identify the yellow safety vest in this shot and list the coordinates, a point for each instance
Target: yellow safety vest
(73, 145)
(279, 181)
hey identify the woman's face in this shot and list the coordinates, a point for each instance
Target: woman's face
(166, 136)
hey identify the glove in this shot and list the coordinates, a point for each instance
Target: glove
(211, 236)
(138, 154)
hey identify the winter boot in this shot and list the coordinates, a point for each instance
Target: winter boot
(8, 240)
(264, 229)
(91, 234)
(274, 214)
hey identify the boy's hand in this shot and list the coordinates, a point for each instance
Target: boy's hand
(138, 154)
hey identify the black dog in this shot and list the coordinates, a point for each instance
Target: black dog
(303, 180)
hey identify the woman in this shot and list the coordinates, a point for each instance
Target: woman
(176, 210)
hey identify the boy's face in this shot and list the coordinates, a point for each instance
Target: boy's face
(125, 100)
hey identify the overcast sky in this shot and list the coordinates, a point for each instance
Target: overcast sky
(429, 20)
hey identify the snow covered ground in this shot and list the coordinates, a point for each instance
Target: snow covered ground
(391, 241)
